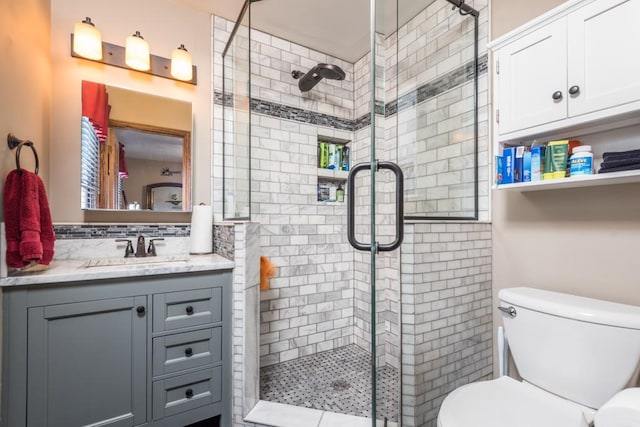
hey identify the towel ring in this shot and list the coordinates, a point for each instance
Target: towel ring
(14, 142)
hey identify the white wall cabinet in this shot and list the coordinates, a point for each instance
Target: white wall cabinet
(574, 65)
(603, 57)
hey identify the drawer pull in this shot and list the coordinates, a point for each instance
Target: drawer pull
(188, 352)
(574, 90)
(140, 309)
(189, 310)
(557, 95)
(188, 393)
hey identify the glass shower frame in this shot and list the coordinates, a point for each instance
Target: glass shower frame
(375, 5)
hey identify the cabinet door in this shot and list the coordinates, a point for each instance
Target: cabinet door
(87, 364)
(604, 62)
(531, 70)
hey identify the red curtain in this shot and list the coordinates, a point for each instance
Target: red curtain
(95, 106)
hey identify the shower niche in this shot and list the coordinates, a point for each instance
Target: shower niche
(333, 168)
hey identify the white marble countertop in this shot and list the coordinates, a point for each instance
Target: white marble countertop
(77, 270)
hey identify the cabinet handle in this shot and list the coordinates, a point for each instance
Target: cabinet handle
(140, 309)
(188, 352)
(189, 310)
(574, 90)
(557, 95)
(188, 393)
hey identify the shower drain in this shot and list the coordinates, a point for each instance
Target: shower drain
(340, 385)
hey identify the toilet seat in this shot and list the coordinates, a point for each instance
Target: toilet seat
(505, 402)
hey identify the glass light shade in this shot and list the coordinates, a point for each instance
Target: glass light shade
(87, 40)
(181, 64)
(137, 53)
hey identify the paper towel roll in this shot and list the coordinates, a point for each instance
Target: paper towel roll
(622, 410)
(201, 239)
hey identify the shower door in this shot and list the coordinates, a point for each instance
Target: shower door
(332, 326)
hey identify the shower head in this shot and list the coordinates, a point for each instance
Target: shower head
(317, 73)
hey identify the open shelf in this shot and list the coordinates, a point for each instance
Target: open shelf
(624, 177)
(333, 174)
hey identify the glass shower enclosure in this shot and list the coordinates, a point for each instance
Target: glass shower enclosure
(379, 306)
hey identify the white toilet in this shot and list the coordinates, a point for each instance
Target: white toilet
(573, 353)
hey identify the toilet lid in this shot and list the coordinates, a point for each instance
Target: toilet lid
(505, 402)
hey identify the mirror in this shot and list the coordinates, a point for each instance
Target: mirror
(136, 151)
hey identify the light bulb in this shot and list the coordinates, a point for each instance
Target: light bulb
(181, 64)
(87, 40)
(137, 53)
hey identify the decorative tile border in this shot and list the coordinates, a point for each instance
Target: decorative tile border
(115, 231)
(218, 99)
(452, 79)
(224, 241)
(299, 115)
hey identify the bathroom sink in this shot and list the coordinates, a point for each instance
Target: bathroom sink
(107, 262)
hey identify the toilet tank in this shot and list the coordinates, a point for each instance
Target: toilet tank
(582, 349)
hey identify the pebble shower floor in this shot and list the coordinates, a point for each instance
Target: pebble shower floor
(336, 380)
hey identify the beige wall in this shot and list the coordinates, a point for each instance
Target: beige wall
(25, 88)
(151, 110)
(580, 241)
(164, 24)
(25, 82)
(509, 14)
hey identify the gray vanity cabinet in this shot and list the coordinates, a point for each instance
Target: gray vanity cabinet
(144, 351)
(87, 363)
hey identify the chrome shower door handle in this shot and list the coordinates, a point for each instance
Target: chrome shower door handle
(351, 205)
(386, 247)
(509, 311)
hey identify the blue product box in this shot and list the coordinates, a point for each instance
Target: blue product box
(526, 166)
(517, 164)
(499, 168)
(508, 163)
(537, 162)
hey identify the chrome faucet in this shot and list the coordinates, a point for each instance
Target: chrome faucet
(151, 250)
(128, 251)
(140, 249)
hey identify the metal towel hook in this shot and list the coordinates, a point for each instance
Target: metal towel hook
(14, 142)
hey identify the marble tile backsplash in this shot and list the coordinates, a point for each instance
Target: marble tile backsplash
(97, 241)
(66, 249)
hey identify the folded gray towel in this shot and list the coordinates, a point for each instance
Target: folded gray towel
(620, 168)
(620, 155)
(608, 164)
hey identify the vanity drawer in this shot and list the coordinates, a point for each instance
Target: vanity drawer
(175, 310)
(185, 392)
(173, 353)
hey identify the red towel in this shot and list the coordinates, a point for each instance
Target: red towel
(28, 224)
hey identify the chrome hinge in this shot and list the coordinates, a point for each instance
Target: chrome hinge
(497, 66)
(497, 115)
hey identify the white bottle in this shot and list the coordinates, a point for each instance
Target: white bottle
(581, 161)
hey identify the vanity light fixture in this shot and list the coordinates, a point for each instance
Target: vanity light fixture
(181, 64)
(88, 40)
(135, 56)
(137, 52)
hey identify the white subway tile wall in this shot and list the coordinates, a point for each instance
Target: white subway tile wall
(446, 314)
